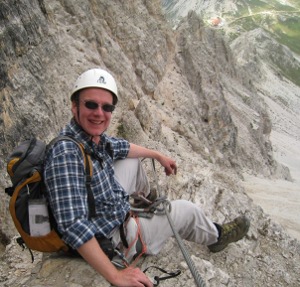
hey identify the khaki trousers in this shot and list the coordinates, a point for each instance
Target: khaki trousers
(189, 219)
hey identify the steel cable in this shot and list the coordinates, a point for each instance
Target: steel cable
(197, 277)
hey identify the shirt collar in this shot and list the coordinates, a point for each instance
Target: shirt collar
(74, 130)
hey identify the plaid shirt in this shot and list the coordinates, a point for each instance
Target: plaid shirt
(64, 176)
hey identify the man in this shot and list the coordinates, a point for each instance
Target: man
(117, 173)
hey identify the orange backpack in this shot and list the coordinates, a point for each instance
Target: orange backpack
(28, 205)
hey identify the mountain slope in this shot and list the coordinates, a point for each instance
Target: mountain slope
(175, 88)
(264, 40)
(280, 18)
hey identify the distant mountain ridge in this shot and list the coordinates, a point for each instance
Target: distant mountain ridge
(280, 18)
(264, 37)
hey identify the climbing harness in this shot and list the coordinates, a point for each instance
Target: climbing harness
(156, 207)
(197, 277)
(143, 207)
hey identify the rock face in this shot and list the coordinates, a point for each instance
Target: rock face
(182, 92)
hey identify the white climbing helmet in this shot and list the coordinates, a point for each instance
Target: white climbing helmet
(96, 78)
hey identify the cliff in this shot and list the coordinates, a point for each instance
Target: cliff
(182, 91)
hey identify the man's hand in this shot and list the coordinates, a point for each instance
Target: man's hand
(168, 163)
(129, 277)
(137, 151)
(132, 277)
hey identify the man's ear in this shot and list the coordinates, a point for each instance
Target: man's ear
(74, 108)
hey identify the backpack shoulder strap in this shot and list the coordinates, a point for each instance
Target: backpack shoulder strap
(88, 171)
(86, 157)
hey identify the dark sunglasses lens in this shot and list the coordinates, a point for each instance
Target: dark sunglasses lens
(108, 108)
(91, 105)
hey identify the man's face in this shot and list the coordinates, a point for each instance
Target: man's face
(94, 121)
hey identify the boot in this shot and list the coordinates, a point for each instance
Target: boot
(230, 232)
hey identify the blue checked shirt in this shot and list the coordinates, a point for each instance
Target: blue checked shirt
(64, 175)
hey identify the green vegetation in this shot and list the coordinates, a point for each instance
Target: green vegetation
(281, 20)
(288, 32)
(121, 131)
(249, 24)
(290, 73)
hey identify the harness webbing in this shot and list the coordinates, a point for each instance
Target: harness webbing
(169, 274)
(197, 277)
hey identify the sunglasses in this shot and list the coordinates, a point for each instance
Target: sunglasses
(93, 106)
